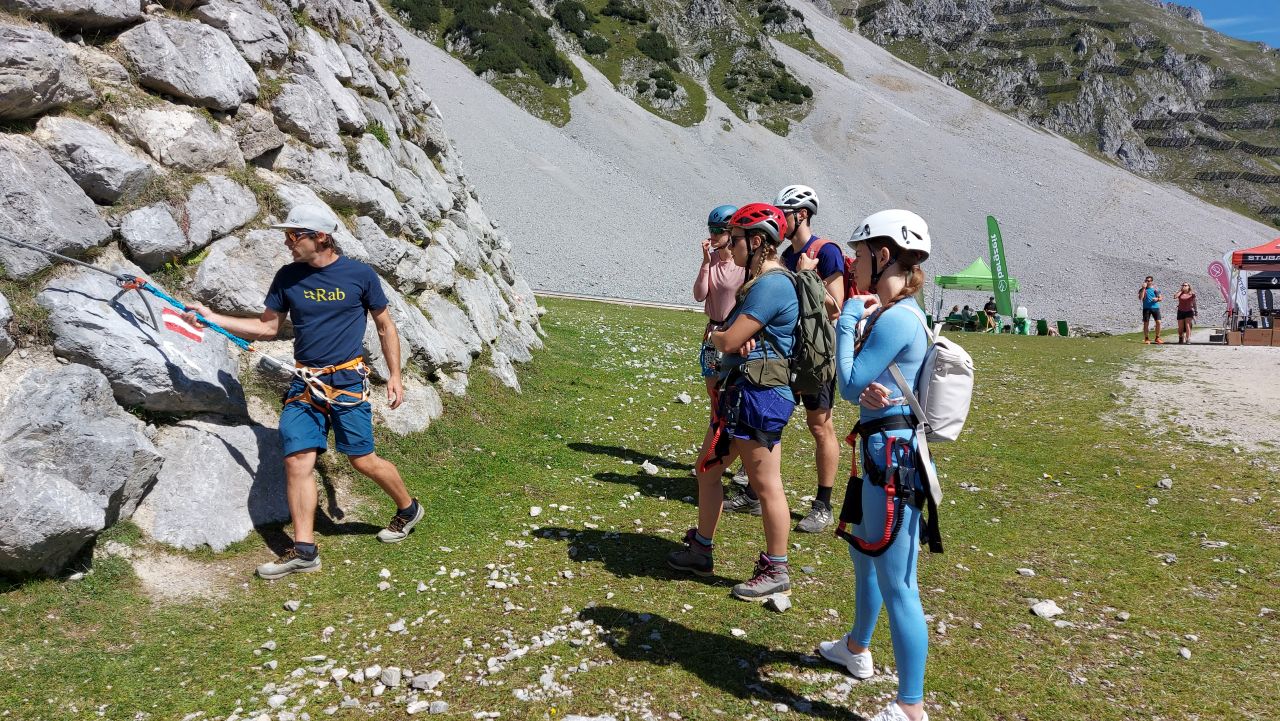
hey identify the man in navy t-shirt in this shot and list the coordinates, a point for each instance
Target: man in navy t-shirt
(327, 297)
(800, 203)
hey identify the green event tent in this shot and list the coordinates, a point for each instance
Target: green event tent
(976, 277)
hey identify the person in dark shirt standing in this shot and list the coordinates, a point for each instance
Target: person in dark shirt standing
(989, 311)
(327, 297)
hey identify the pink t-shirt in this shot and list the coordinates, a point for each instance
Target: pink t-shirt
(716, 285)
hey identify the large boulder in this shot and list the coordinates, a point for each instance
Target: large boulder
(303, 110)
(346, 104)
(500, 367)
(37, 74)
(79, 14)
(155, 369)
(216, 207)
(458, 237)
(44, 521)
(103, 168)
(40, 204)
(429, 268)
(178, 137)
(235, 275)
(480, 299)
(254, 31)
(66, 422)
(190, 60)
(217, 484)
(7, 343)
(373, 158)
(433, 350)
(327, 172)
(152, 237)
(98, 65)
(421, 406)
(384, 252)
(515, 341)
(256, 130)
(451, 320)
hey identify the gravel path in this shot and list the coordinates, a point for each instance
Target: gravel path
(613, 204)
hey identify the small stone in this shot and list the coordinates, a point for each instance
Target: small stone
(271, 665)
(942, 628)
(338, 674)
(1063, 624)
(268, 646)
(384, 573)
(1164, 483)
(77, 576)
(396, 627)
(683, 397)
(439, 707)
(1046, 609)
(808, 569)
(427, 681)
(390, 677)
(280, 699)
(292, 606)
(1122, 616)
(373, 672)
(535, 511)
(778, 603)
(1026, 572)
(649, 469)
(417, 707)
(737, 632)
(1153, 501)
(383, 586)
(422, 587)
(781, 708)
(1185, 653)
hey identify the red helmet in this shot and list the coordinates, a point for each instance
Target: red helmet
(762, 217)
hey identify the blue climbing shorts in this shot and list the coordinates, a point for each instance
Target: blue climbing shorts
(754, 413)
(304, 427)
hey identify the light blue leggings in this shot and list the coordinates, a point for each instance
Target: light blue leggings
(890, 580)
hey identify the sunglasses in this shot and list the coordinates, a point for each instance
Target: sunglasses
(294, 236)
(717, 230)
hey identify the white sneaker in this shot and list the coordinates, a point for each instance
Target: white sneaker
(894, 712)
(837, 652)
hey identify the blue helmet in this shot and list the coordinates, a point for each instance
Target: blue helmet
(719, 218)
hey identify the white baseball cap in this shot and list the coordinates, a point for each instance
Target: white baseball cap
(310, 217)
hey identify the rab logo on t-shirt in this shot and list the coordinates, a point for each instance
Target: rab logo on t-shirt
(321, 295)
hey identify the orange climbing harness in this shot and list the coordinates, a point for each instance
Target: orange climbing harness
(321, 395)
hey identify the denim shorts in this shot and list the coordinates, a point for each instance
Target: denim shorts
(304, 427)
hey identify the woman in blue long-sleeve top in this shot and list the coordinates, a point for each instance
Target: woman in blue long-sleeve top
(889, 247)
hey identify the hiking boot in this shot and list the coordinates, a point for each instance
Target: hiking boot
(837, 652)
(399, 527)
(894, 712)
(694, 557)
(742, 503)
(817, 521)
(740, 478)
(769, 578)
(289, 563)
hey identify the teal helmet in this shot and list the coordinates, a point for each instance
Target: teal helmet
(719, 218)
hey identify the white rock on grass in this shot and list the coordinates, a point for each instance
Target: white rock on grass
(535, 511)
(1185, 653)
(292, 606)
(417, 707)
(105, 170)
(683, 397)
(427, 681)
(778, 603)
(504, 371)
(1047, 608)
(1026, 572)
(648, 468)
(737, 632)
(190, 60)
(391, 675)
(39, 74)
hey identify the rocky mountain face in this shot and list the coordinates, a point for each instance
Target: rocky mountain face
(161, 140)
(1139, 81)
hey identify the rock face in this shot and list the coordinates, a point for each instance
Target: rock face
(107, 172)
(41, 205)
(155, 369)
(192, 61)
(38, 75)
(73, 462)
(218, 482)
(316, 96)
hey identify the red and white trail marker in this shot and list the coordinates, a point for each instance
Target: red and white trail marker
(176, 323)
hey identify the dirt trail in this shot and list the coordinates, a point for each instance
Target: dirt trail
(1225, 395)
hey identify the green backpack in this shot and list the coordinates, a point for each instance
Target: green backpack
(813, 360)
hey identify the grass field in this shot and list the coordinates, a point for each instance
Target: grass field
(573, 611)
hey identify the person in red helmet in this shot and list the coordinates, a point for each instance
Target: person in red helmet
(755, 402)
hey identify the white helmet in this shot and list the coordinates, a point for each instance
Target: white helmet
(903, 228)
(795, 197)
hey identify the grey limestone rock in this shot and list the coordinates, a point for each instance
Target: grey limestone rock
(152, 236)
(148, 367)
(256, 33)
(38, 74)
(451, 320)
(66, 423)
(178, 137)
(424, 268)
(99, 66)
(384, 252)
(479, 302)
(502, 369)
(421, 406)
(256, 131)
(79, 14)
(514, 342)
(218, 482)
(326, 71)
(104, 169)
(235, 275)
(7, 343)
(41, 205)
(432, 349)
(373, 158)
(303, 110)
(216, 207)
(190, 60)
(44, 521)
(327, 173)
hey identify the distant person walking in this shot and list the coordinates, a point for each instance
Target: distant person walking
(1187, 312)
(1150, 296)
(327, 297)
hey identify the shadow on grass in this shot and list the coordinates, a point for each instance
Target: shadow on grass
(627, 454)
(730, 664)
(626, 555)
(654, 486)
(278, 541)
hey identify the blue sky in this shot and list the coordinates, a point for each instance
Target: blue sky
(1245, 19)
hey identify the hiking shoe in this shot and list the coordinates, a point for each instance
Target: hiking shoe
(289, 563)
(694, 557)
(894, 712)
(769, 578)
(837, 652)
(817, 521)
(742, 503)
(740, 478)
(399, 527)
